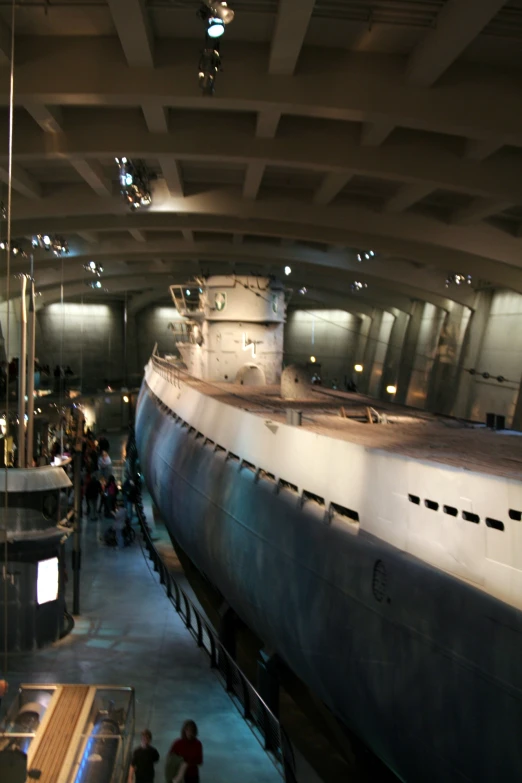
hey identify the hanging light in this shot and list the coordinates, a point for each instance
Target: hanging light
(356, 287)
(288, 270)
(16, 249)
(56, 244)
(216, 27)
(303, 290)
(391, 389)
(358, 367)
(455, 278)
(134, 183)
(220, 9)
(313, 359)
(93, 267)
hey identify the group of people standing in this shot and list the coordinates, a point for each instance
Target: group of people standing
(181, 765)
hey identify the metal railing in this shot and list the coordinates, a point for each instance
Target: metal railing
(259, 717)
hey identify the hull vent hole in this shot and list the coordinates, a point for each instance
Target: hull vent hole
(379, 582)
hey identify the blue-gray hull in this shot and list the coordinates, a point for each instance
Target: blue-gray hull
(424, 668)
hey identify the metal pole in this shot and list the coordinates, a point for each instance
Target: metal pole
(31, 356)
(22, 375)
(125, 320)
(77, 550)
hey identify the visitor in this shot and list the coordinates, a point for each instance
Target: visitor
(105, 464)
(130, 496)
(141, 768)
(190, 749)
(92, 493)
(103, 443)
(111, 491)
(4, 687)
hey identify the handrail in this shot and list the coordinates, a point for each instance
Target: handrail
(258, 715)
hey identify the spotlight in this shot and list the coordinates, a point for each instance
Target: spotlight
(216, 28)
(16, 249)
(134, 183)
(93, 267)
(356, 287)
(391, 389)
(303, 290)
(56, 244)
(125, 398)
(220, 9)
(187, 292)
(97, 285)
(3, 211)
(457, 279)
(358, 367)
(288, 270)
(313, 359)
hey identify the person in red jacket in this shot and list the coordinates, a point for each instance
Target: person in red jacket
(190, 749)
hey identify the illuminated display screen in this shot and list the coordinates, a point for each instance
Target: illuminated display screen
(47, 582)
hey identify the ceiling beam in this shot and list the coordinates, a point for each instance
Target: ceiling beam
(459, 22)
(49, 118)
(330, 187)
(494, 254)
(138, 235)
(171, 171)
(156, 116)
(5, 43)
(406, 196)
(94, 175)
(134, 30)
(253, 179)
(293, 18)
(325, 151)
(267, 123)
(373, 87)
(22, 182)
(480, 149)
(88, 236)
(479, 209)
(373, 134)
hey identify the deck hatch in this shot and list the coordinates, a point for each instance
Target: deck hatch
(496, 524)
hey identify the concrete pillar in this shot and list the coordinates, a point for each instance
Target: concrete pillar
(369, 351)
(393, 353)
(268, 680)
(445, 373)
(470, 354)
(516, 424)
(409, 348)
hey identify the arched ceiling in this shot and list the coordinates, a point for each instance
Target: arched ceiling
(337, 126)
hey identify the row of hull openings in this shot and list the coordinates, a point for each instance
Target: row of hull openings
(469, 516)
(334, 510)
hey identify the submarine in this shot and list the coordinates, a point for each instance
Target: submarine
(382, 563)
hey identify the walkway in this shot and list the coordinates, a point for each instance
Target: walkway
(129, 634)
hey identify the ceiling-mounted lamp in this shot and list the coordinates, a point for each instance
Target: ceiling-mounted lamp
(220, 10)
(56, 244)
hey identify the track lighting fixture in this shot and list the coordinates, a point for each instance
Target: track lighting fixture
(16, 249)
(356, 287)
(220, 10)
(457, 279)
(365, 255)
(93, 267)
(209, 65)
(134, 183)
(55, 244)
(97, 285)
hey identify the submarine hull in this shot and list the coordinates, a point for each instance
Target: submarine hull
(424, 668)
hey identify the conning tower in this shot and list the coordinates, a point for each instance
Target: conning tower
(233, 328)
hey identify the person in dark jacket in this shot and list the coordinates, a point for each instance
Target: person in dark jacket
(143, 759)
